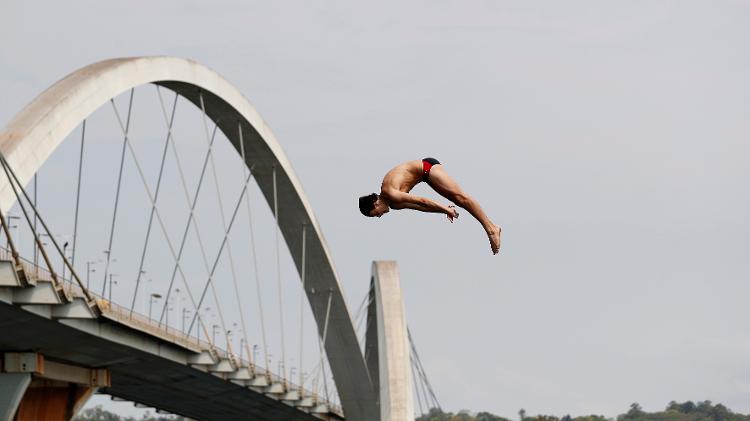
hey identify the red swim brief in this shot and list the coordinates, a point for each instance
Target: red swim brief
(427, 164)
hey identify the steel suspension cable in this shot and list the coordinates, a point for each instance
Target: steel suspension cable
(221, 248)
(78, 194)
(158, 214)
(191, 220)
(302, 304)
(223, 219)
(420, 381)
(255, 258)
(359, 317)
(362, 306)
(153, 208)
(322, 343)
(313, 373)
(369, 322)
(119, 184)
(11, 244)
(10, 173)
(415, 385)
(11, 176)
(278, 273)
(190, 202)
(237, 292)
(36, 250)
(420, 368)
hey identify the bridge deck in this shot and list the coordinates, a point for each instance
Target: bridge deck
(148, 363)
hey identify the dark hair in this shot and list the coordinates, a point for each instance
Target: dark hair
(367, 203)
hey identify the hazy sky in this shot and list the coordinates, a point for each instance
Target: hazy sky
(609, 139)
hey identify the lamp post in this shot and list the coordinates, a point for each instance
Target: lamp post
(234, 329)
(185, 313)
(214, 328)
(200, 321)
(255, 354)
(11, 226)
(140, 273)
(65, 247)
(111, 275)
(169, 301)
(89, 271)
(44, 244)
(153, 298)
(108, 261)
(166, 323)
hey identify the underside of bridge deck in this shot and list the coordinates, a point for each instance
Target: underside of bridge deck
(141, 369)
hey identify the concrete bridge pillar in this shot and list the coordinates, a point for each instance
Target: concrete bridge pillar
(12, 388)
(387, 344)
(34, 389)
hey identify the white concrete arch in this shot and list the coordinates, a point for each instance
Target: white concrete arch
(37, 130)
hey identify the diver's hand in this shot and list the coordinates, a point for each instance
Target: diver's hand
(452, 213)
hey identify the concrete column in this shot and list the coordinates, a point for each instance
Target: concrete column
(12, 388)
(390, 367)
(51, 400)
(32, 388)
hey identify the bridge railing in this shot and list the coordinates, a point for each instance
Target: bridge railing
(162, 330)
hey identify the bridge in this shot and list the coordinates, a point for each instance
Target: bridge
(67, 336)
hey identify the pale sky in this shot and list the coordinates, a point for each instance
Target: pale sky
(609, 139)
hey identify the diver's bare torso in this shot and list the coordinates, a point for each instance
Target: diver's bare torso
(402, 177)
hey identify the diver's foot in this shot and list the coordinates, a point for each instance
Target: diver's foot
(494, 236)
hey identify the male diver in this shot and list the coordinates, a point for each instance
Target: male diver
(394, 194)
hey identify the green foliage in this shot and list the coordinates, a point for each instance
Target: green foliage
(437, 415)
(589, 418)
(686, 411)
(486, 416)
(100, 414)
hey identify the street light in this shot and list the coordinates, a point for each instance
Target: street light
(176, 299)
(153, 298)
(169, 300)
(65, 246)
(166, 324)
(200, 321)
(106, 268)
(10, 227)
(111, 275)
(89, 271)
(214, 328)
(185, 313)
(230, 332)
(52, 240)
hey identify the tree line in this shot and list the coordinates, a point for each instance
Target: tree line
(98, 413)
(686, 411)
